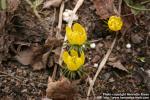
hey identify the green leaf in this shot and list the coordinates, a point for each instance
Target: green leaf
(36, 3)
(142, 59)
(135, 11)
(3, 4)
(134, 6)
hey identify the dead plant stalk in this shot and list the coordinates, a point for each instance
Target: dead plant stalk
(102, 64)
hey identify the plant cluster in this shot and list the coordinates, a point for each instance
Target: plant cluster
(74, 57)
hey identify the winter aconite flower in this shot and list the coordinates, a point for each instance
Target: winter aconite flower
(73, 60)
(76, 35)
(115, 23)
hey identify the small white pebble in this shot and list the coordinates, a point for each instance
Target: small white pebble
(83, 46)
(96, 65)
(89, 58)
(128, 46)
(92, 45)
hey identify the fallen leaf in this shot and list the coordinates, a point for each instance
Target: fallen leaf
(117, 64)
(35, 56)
(135, 38)
(104, 8)
(60, 90)
(57, 51)
(54, 3)
(95, 59)
(53, 42)
(25, 57)
(38, 66)
(40, 57)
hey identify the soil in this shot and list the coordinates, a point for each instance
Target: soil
(24, 30)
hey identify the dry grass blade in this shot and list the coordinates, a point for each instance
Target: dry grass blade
(58, 35)
(102, 64)
(58, 32)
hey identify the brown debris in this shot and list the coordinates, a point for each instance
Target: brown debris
(12, 5)
(25, 57)
(60, 90)
(118, 64)
(104, 8)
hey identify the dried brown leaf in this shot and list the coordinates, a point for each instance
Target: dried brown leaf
(54, 3)
(25, 57)
(118, 64)
(61, 89)
(40, 58)
(104, 8)
(135, 38)
(35, 56)
(53, 42)
(57, 51)
(38, 66)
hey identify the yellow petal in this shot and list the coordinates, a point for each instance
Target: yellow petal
(68, 30)
(82, 57)
(115, 23)
(68, 33)
(77, 36)
(74, 53)
(71, 66)
(78, 28)
(74, 38)
(65, 56)
(79, 62)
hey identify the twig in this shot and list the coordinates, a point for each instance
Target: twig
(58, 32)
(79, 3)
(119, 9)
(102, 64)
(93, 41)
(54, 72)
(60, 18)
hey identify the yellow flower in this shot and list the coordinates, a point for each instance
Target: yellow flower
(77, 35)
(72, 60)
(115, 23)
